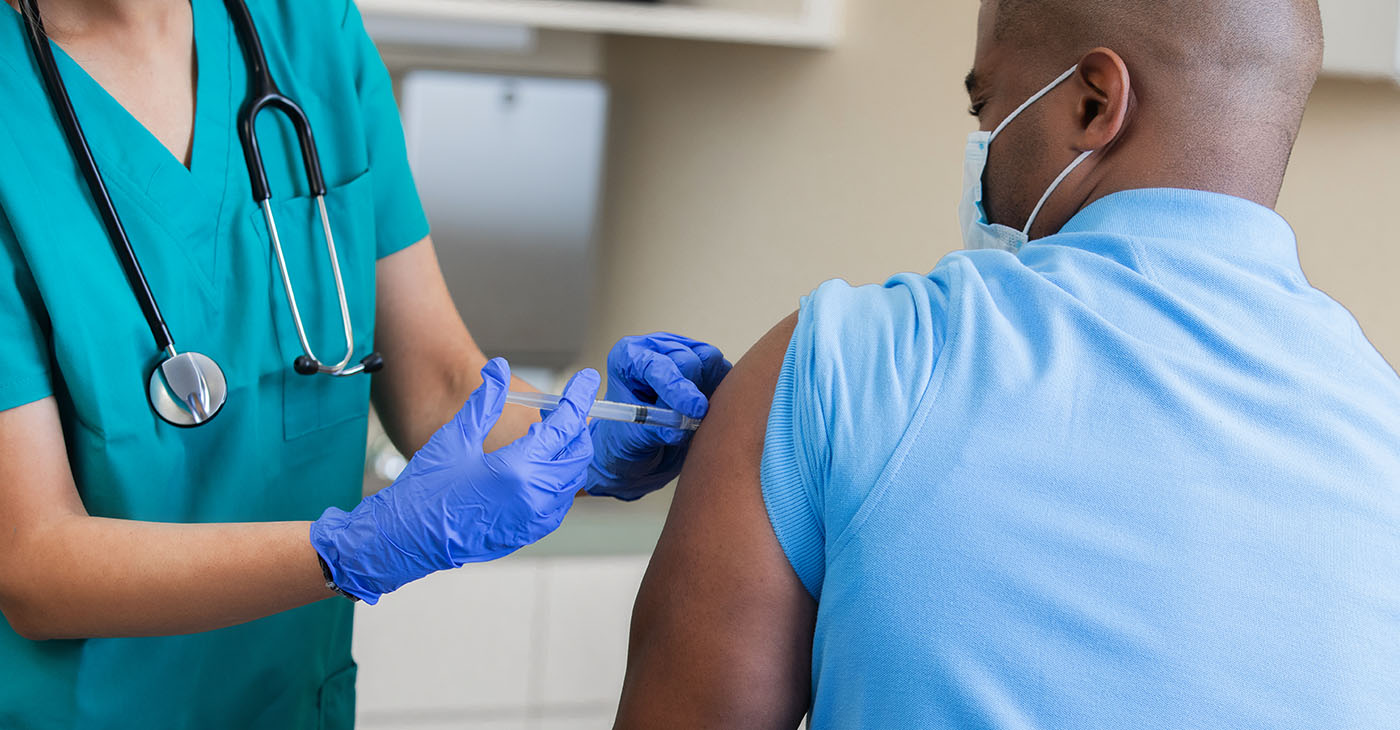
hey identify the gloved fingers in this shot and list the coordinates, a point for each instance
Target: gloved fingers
(625, 373)
(673, 436)
(551, 520)
(665, 375)
(680, 349)
(484, 406)
(713, 368)
(566, 472)
(567, 489)
(673, 338)
(631, 356)
(558, 429)
(580, 449)
(646, 439)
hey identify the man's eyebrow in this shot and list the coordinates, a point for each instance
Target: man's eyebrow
(972, 82)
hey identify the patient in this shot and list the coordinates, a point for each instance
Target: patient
(1134, 473)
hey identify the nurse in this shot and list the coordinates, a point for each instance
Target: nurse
(157, 576)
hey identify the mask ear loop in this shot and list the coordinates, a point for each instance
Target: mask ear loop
(1011, 117)
(1046, 197)
(1037, 97)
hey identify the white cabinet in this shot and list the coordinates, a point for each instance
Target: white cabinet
(797, 23)
(510, 169)
(522, 643)
(1363, 38)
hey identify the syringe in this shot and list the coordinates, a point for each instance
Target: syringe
(609, 411)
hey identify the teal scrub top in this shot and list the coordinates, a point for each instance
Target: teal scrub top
(285, 446)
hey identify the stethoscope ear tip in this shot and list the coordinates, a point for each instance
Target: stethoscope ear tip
(307, 365)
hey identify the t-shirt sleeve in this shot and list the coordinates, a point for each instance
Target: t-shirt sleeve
(398, 211)
(853, 378)
(24, 332)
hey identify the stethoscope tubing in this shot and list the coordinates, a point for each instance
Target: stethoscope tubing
(339, 368)
(77, 140)
(189, 389)
(263, 93)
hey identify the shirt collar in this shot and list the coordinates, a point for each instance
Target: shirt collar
(1172, 223)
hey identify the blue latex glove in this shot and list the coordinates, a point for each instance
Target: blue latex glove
(631, 461)
(454, 504)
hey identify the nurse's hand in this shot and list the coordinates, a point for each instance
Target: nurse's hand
(455, 504)
(632, 461)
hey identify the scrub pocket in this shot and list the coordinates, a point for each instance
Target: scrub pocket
(336, 700)
(313, 402)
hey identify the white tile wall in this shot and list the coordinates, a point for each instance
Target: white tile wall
(528, 643)
(585, 612)
(458, 723)
(449, 643)
(595, 722)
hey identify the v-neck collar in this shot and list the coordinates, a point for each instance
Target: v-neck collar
(182, 200)
(136, 148)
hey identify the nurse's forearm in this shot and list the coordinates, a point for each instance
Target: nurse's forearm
(411, 413)
(433, 364)
(86, 577)
(437, 402)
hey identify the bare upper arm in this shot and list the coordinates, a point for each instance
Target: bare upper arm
(722, 628)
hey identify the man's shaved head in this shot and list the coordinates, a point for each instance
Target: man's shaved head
(1272, 45)
(1213, 97)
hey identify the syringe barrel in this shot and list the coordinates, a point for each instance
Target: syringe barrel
(609, 411)
(542, 401)
(646, 415)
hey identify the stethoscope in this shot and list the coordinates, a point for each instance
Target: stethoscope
(187, 389)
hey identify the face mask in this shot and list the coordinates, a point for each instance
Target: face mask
(978, 233)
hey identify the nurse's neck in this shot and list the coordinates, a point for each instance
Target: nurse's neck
(79, 18)
(141, 52)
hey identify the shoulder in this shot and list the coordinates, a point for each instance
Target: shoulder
(324, 35)
(19, 74)
(853, 379)
(876, 340)
(302, 16)
(900, 300)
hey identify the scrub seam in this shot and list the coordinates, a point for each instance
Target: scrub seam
(228, 138)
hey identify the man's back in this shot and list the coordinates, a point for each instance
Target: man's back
(1139, 475)
(1121, 480)
(1135, 474)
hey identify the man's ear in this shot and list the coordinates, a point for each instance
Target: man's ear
(1107, 94)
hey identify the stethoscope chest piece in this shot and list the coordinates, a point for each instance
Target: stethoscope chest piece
(188, 389)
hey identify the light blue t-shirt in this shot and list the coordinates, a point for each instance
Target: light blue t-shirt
(1141, 475)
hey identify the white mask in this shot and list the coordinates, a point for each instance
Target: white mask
(978, 233)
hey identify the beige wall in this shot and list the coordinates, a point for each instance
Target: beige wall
(1342, 196)
(742, 177)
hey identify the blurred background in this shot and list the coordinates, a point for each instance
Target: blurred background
(594, 169)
